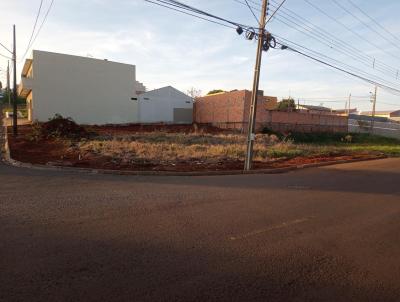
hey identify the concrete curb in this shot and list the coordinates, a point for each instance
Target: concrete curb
(12, 162)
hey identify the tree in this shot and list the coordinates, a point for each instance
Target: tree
(215, 91)
(193, 93)
(288, 104)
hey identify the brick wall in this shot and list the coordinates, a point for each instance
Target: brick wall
(231, 109)
(305, 122)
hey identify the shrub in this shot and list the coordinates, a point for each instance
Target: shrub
(60, 127)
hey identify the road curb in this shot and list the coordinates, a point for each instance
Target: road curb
(7, 159)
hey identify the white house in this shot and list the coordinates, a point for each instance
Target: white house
(165, 105)
(91, 91)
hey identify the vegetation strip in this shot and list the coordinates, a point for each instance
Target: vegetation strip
(184, 150)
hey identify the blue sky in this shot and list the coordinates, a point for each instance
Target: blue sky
(173, 49)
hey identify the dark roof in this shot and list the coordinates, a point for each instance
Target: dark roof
(316, 108)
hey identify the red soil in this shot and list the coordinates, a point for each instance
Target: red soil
(57, 152)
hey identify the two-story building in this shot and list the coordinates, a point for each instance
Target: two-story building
(91, 91)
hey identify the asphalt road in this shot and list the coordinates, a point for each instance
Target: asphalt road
(325, 234)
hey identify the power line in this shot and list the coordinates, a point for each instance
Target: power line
(189, 14)
(33, 29)
(363, 77)
(292, 15)
(373, 20)
(364, 23)
(40, 28)
(198, 11)
(349, 29)
(276, 10)
(344, 65)
(4, 56)
(322, 36)
(255, 17)
(2, 45)
(393, 90)
(356, 51)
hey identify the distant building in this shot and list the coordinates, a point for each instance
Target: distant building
(389, 114)
(377, 113)
(165, 105)
(231, 109)
(345, 111)
(395, 115)
(90, 91)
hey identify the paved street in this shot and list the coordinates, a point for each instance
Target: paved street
(325, 234)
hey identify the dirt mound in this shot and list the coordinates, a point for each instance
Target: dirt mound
(63, 127)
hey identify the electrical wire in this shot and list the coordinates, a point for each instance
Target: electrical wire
(255, 17)
(33, 29)
(331, 41)
(2, 45)
(352, 49)
(373, 20)
(334, 61)
(40, 28)
(383, 86)
(189, 14)
(276, 10)
(364, 23)
(4, 56)
(200, 12)
(349, 29)
(294, 49)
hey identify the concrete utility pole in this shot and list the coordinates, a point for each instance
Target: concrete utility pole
(373, 108)
(256, 81)
(15, 111)
(8, 84)
(349, 104)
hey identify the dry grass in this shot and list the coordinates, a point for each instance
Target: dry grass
(166, 147)
(159, 147)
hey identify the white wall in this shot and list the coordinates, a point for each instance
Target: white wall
(90, 91)
(157, 106)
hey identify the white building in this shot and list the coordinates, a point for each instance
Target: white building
(88, 90)
(165, 105)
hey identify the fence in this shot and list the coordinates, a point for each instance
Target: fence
(291, 122)
(369, 125)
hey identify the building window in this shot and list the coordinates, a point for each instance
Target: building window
(134, 99)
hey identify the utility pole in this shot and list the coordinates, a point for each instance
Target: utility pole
(373, 108)
(15, 111)
(349, 104)
(8, 84)
(256, 81)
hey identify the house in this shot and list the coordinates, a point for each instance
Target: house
(389, 114)
(231, 109)
(165, 105)
(315, 109)
(395, 115)
(90, 91)
(377, 113)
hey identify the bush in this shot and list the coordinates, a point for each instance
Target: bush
(60, 127)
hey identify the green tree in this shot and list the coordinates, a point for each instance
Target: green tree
(288, 104)
(215, 91)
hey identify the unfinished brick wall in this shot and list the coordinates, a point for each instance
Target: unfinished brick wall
(231, 109)
(305, 122)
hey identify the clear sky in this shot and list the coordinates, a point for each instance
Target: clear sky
(169, 48)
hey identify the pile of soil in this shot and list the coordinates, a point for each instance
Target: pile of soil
(63, 128)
